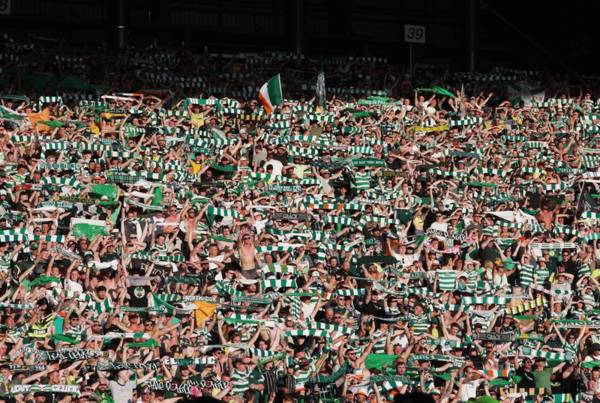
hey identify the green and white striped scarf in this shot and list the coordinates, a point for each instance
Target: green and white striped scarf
(58, 166)
(340, 220)
(484, 300)
(330, 327)
(16, 306)
(277, 284)
(590, 215)
(277, 248)
(307, 333)
(548, 355)
(215, 211)
(525, 306)
(60, 181)
(48, 99)
(278, 268)
(553, 245)
(467, 121)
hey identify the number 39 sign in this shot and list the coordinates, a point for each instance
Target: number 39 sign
(414, 33)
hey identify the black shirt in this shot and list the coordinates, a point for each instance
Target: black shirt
(138, 295)
(527, 379)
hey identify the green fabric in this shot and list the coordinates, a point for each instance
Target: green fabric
(43, 280)
(160, 302)
(223, 168)
(378, 361)
(542, 378)
(482, 184)
(442, 91)
(115, 215)
(445, 377)
(361, 114)
(110, 191)
(158, 196)
(509, 263)
(438, 90)
(88, 231)
(368, 162)
(59, 323)
(64, 338)
(52, 123)
(325, 379)
(591, 364)
(147, 343)
(274, 90)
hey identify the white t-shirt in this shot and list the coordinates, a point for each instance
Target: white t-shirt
(218, 259)
(260, 225)
(73, 288)
(122, 393)
(440, 226)
(468, 390)
(406, 260)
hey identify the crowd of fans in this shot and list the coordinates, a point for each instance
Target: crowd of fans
(175, 242)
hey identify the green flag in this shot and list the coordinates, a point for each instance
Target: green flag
(270, 94)
(158, 302)
(106, 192)
(378, 361)
(90, 229)
(438, 90)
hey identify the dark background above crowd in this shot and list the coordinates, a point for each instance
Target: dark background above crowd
(509, 33)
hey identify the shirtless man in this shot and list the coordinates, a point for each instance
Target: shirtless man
(546, 216)
(247, 255)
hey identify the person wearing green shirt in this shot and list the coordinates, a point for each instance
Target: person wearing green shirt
(543, 375)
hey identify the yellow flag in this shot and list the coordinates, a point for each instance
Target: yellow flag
(35, 118)
(94, 128)
(432, 129)
(204, 310)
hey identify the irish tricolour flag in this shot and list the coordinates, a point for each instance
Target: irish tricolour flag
(270, 94)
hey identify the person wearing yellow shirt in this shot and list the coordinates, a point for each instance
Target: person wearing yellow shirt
(197, 115)
(196, 163)
(419, 221)
(199, 165)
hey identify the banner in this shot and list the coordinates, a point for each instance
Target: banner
(69, 355)
(438, 128)
(493, 336)
(432, 232)
(118, 365)
(379, 361)
(456, 361)
(320, 91)
(367, 162)
(189, 388)
(526, 94)
(25, 389)
(282, 188)
(281, 216)
(26, 368)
